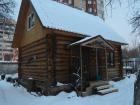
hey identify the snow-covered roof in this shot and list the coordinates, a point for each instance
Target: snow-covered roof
(88, 41)
(59, 16)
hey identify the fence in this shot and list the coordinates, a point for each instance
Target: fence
(8, 67)
(134, 63)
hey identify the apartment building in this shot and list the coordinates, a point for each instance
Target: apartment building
(7, 28)
(95, 7)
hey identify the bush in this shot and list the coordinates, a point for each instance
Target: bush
(9, 79)
(3, 76)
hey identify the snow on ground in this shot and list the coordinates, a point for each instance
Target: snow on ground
(12, 75)
(10, 95)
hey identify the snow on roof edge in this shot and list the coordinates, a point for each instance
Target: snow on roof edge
(49, 21)
(88, 38)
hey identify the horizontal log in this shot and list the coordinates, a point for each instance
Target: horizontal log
(35, 74)
(40, 47)
(38, 55)
(67, 36)
(33, 44)
(42, 51)
(34, 61)
(33, 67)
(35, 78)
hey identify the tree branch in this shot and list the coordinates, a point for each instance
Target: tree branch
(6, 7)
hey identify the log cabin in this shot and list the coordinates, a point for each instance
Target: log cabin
(56, 41)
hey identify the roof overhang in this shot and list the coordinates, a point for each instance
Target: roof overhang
(94, 42)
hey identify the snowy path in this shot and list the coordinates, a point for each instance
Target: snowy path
(10, 95)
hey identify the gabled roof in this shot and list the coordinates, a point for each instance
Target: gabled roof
(93, 42)
(59, 16)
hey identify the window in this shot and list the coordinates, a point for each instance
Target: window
(61, 1)
(95, 10)
(70, 2)
(94, 2)
(7, 57)
(90, 10)
(31, 21)
(89, 2)
(102, 2)
(110, 59)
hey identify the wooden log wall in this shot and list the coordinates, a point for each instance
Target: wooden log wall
(33, 60)
(19, 64)
(74, 61)
(63, 57)
(47, 60)
(92, 64)
(117, 70)
(102, 64)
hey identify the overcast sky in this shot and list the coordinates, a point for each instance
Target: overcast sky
(118, 20)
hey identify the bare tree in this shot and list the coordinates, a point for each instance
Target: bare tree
(135, 19)
(6, 8)
(135, 22)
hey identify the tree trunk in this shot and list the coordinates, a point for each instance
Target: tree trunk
(137, 91)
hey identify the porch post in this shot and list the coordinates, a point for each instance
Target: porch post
(97, 69)
(81, 66)
(106, 64)
(70, 68)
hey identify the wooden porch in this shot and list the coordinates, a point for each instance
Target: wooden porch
(89, 62)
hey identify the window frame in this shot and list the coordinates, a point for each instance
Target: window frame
(90, 10)
(89, 2)
(70, 2)
(30, 25)
(110, 59)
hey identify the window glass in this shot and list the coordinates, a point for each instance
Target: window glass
(94, 2)
(110, 59)
(31, 21)
(69, 1)
(89, 2)
(89, 9)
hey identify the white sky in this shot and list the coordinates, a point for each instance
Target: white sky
(117, 20)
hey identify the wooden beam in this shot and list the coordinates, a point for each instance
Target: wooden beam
(97, 39)
(106, 64)
(46, 61)
(70, 68)
(54, 49)
(97, 69)
(19, 63)
(81, 66)
(121, 63)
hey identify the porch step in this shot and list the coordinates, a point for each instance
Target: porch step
(98, 83)
(107, 91)
(100, 88)
(93, 85)
(87, 93)
(103, 87)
